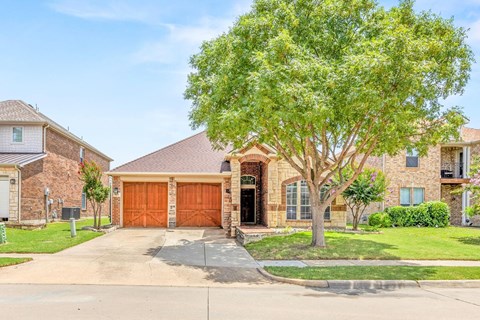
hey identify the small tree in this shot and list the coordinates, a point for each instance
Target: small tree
(95, 191)
(369, 187)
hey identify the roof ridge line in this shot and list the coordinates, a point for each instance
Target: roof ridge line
(149, 154)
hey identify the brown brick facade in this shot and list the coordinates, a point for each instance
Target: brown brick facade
(58, 171)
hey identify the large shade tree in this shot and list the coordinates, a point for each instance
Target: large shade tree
(329, 83)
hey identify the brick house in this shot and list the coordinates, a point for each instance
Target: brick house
(414, 179)
(189, 184)
(39, 164)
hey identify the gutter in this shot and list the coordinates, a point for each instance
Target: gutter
(169, 174)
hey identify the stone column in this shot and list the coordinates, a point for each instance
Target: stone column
(235, 195)
(172, 202)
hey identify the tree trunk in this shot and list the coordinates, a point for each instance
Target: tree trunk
(356, 218)
(318, 223)
(99, 216)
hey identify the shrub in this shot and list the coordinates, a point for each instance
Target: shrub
(398, 215)
(439, 213)
(428, 214)
(379, 219)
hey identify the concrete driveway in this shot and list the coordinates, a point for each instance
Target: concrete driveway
(178, 257)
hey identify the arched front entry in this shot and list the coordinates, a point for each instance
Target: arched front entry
(253, 189)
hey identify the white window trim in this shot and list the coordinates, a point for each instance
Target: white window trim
(23, 135)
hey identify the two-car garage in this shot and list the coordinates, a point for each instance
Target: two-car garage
(145, 204)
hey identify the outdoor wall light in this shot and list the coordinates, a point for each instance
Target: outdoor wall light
(13, 181)
(227, 190)
(116, 191)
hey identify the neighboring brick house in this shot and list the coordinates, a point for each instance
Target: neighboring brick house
(414, 179)
(191, 184)
(39, 157)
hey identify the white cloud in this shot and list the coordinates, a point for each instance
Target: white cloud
(106, 10)
(181, 41)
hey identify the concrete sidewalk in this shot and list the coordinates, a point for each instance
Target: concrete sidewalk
(335, 263)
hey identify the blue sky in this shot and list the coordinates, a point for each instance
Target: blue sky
(114, 72)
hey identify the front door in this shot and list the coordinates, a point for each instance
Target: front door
(247, 204)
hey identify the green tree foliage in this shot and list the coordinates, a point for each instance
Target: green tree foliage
(370, 186)
(328, 83)
(96, 193)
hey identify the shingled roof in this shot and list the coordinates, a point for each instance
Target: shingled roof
(191, 155)
(17, 111)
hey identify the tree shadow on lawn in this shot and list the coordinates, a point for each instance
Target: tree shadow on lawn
(475, 241)
(338, 248)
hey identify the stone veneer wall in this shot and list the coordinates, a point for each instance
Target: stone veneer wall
(59, 172)
(116, 200)
(279, 171)
(12, 173)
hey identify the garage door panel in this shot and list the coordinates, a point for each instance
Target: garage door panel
(199, 205)
(145, 204)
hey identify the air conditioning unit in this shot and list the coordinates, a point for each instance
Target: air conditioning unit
(72, 212)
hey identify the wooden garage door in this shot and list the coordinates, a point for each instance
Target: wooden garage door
(199, 205)
(145, 204)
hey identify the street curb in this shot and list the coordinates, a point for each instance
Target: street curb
(299, 282)
(373, 284)
(449, 283)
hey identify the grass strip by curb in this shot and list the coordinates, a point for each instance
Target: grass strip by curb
(415, 273)
(4, 262)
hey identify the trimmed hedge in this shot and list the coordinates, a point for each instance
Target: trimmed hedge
(428, 214)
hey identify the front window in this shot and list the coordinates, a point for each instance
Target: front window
(298, 202)
(82, 154)
(412, 196)
(247, 180)
(412, 159)
(405, 197)
(418, 196)
(17, 134)
(84, 201)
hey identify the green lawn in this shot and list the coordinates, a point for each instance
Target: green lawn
(452, 243)
(377, 273)
(11, 261)
(55, 237)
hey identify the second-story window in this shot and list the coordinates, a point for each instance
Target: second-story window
(82, 154)
(17, 135)
(412, 159)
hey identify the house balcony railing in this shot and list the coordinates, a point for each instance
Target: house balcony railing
(452, 171)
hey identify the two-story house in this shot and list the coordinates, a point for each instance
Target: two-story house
(414, 179)
(39, 164)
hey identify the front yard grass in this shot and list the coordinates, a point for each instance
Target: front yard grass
(54, 238)
(4, 262)
(452, 243)
(377, 273)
